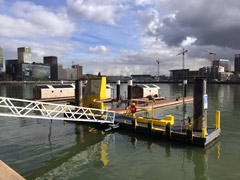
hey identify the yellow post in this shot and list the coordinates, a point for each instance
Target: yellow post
(152, 109)
(203, 132)
(134, 117)
(135, 121)
(217, 119)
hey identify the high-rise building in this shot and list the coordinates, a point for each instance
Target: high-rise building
(1, 59)
(34, 71)
(79, 70)
(52, 61)
(11, 66)
(237, 63)
(24, 55)
(224, 63)
(67, 74)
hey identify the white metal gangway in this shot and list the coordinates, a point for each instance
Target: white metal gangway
(11, 107)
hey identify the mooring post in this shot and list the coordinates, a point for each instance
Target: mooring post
(118, 90)
(200, 105)
(184, 88)
(130, 84)
(78, 92)
(184, 95)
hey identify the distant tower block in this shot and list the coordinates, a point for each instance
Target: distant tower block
(79, 70)
(50, 60)
(53, 63)
(24, 55)
(237, 63)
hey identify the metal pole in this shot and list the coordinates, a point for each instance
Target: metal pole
(77, 93)
(184, 107)
(118, 90)
(158, 70)
(130, 84)
(183, 60)
(205, 108)
(80, 93)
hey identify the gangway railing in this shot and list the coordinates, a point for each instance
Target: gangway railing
(11, 107)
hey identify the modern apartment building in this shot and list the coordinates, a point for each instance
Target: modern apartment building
(24, 55)
(224, 63)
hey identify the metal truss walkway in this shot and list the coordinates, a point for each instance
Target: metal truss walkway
(11, 107)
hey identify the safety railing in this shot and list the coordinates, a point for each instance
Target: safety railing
(147, 106)
(12, 107)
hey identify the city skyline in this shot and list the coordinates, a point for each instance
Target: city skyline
(121, 37)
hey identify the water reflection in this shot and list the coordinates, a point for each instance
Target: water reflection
(198, 156)
(90, 148)
(22, 91)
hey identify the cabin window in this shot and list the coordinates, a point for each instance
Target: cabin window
(60, 90)
(52, 91)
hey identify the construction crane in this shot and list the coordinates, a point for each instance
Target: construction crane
(158, 61)
(211, 55)
(183, 52)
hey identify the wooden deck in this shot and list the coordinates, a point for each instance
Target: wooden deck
(7, 173)
(157, 104)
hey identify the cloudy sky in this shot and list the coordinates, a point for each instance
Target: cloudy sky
(122, 37)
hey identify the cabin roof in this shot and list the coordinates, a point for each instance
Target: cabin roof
(148, 86)
(55, 86)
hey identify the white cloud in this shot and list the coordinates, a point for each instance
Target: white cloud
(39, 49)
(94, 10)
(188, 41)
(99, 50)
(144, 61)
(143, 2)
(34, 21)
(150, 21)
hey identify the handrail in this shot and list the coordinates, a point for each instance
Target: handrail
(12, 107)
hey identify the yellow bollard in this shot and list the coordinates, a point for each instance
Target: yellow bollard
(203, 132)
(136, 124)
(217, 119)
(152, 109)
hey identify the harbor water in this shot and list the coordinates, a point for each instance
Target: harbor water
(41, 149)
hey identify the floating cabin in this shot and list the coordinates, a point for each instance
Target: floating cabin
(53, 91)
(60, 91)
(145, 90)
(109, 91)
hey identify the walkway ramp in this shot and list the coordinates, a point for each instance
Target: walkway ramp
(11, 107)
